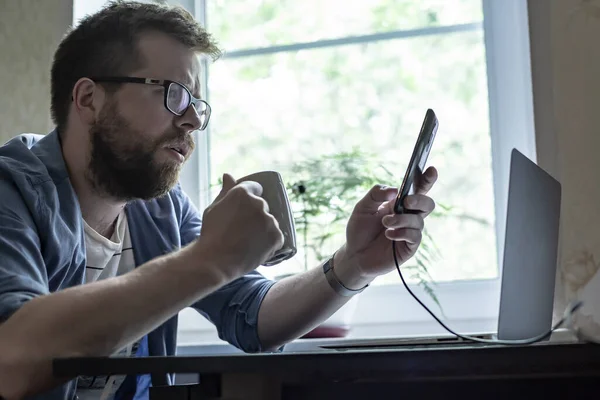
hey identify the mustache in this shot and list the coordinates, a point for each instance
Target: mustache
(177, 138)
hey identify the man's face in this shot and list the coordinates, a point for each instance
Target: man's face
(133, 136)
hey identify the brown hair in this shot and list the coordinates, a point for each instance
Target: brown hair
(105, 44)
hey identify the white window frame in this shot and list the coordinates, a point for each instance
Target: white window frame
(470, 306)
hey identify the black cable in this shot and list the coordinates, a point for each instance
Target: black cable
(570, 311)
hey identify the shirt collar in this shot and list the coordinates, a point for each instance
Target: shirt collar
(49, 150)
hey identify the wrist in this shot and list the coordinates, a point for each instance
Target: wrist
(200, 262)
(348, 272)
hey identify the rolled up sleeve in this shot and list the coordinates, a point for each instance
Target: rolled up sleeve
(234, 310)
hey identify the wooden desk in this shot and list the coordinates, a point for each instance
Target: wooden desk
(567, 371)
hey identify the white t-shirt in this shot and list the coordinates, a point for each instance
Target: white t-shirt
(106, 258)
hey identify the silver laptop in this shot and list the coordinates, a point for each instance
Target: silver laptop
(528, 273)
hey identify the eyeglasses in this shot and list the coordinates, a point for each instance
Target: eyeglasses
(177, 97)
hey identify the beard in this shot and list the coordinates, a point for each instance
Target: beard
(123, 161)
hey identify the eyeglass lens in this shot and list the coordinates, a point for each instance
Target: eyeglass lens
(178, 100)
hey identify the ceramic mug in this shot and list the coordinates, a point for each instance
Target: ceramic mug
(275, 195)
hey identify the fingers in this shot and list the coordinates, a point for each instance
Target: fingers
(228, 181)
(380, 197)
(248, 196)
(403, 221)
(410, 236)
(419, 203)
(252, 187)
(373, 200)
(427, 181)
(407, 228)
(276, 233)
(228, 184)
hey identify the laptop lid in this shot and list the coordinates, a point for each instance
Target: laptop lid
(530, 251)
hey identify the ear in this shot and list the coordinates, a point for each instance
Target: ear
(87, 100)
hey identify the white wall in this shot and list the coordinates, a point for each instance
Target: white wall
(30, 31)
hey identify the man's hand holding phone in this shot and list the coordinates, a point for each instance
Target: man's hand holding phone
(373, 226)
(386, 215)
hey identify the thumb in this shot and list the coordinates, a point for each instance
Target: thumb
(373, 200)
(228, 184)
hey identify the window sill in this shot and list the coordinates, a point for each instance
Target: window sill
(206, 342)
(383, 311)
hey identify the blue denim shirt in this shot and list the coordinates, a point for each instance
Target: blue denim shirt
(42, 249)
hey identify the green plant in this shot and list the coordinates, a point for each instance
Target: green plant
(323, 191)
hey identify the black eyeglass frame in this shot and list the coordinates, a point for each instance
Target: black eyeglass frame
(166, 84)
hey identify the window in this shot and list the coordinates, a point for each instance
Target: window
(303, 79)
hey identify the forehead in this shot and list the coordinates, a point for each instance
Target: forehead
(166, 58)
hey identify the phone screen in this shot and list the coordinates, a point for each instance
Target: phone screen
(416, 166)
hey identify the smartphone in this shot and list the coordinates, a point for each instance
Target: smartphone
(417, 161)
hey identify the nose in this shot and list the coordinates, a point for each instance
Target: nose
(190, 120)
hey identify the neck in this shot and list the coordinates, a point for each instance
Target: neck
(99, 211)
